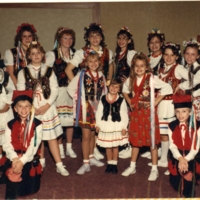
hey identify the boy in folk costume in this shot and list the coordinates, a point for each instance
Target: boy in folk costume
(184, 134)
(20, 142)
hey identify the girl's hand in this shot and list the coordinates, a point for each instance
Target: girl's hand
(42, 110)
(97, 129)
(123, 132)
(18, 166)
(14, 161)
(5, 108)
(177, 88)
(123, 78)
(182, 165)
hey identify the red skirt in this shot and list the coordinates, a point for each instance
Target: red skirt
(140, 128)
(90, 117)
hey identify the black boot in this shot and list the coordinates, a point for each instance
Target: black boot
(114, 169)
(108, 168)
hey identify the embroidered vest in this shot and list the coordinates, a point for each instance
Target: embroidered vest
(44, 81)
(155, 70)
(89, 86)
(172, 80)
(104, 60)
(21, 64)
(122, 67)
(194, 72)
(59, 67)
(112, 109)
(177, 137)
(15, 127)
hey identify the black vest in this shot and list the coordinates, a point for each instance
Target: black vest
(113, 109)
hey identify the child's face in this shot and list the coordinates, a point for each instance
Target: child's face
(36, 56)
(182, 114)
(169, 57)
(191, 55)
(23, 108)
(94, 39)
(114, 89)
(66, 41)
(27, 38)
(155, 45)
(140, 68)
(93, 63)
(123, 41)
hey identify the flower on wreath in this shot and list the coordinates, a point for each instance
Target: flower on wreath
(157, 31)
(61, 30)
(92, 51)
(26, 24)
(191, 41)
(126, 29)
(93, 24)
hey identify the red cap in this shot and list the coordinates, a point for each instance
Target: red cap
(182, 101)
(22, 95)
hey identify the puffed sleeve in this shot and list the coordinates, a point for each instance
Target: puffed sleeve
(165, 88)
(130, 55)
(78, 58)
(32, 150)
(110, 56)
(50, 58)
(124, 114)
(73, 85)
(54, 88)
(8, 58)
(125, 88)
(21, 80)
(99, 113)
(181, 72)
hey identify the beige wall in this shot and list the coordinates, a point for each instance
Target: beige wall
(178, 20)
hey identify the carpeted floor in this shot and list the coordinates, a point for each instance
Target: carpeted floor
(98, 185)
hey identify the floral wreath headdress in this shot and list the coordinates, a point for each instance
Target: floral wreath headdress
(91, 51)
(93, 24)
(170, 44)
(191, 41)
(125, 28)
(157, 31)
(24, 25)
(55, 46)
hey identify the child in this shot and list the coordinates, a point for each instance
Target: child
(191, 55)
(94, 38)
(172, 73)
(155, 42)
(15, 59)
(124, 53)
(5, 111)
(58, 58)
(184, 140)
(20, 142)
(86, 88)
(111, 124)
(42, 80)
(141, 86)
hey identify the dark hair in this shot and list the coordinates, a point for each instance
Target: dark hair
(155, 33)
(130, 45)
(132, 76)
(35, 45)
(61, 31)
(94, 28)
(21, 29)
(175, 49)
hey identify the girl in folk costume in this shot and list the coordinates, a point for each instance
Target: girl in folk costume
(111, 124)
(191, 55)
(172, 73)
(155, 42)
(184, 141)
(42, 80)
(95, 40)
(15, 58)
(58, 58)
(21, 140)
(124, 53)
(138, 91)
(86, 88)
(5, 111)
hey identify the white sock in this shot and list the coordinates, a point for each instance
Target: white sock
(164, 151)
(154, 167)
(61, 146)
(109, 162)
(91, 156)
(114, 162)
(59, 164)
(133, 164)
(86, 162)
(69, 145)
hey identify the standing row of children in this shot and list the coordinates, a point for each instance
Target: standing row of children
(83, 95)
